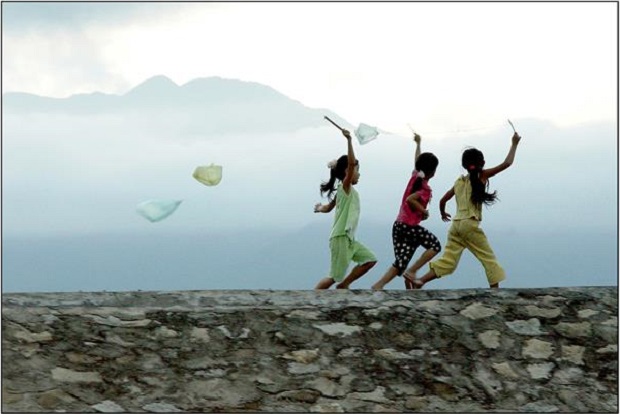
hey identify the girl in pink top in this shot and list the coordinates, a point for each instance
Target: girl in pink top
(407, 234)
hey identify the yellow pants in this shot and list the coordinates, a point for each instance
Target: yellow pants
(467, 234)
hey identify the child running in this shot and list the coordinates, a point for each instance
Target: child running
(407, 234)
(465, 232)
(342, 244)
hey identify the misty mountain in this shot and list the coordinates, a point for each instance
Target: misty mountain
(204, 106)
(75, 168)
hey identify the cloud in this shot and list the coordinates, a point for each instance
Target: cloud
(81, 174)
(386, 64)
(29, 17)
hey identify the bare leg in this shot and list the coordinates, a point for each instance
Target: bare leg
(430, 275)
(408, 284)
(325, 283)
(387, 278)
(357, 272)
(410, 274)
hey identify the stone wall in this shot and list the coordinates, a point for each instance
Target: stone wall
(335, 351)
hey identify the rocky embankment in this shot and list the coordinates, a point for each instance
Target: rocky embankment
(538, 350)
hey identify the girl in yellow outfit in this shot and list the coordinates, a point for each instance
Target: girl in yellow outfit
(465, 232)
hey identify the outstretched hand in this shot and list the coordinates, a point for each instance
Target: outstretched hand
(346, 133)
(317, 207)
(516, 138)
(417, 138)
(445, 216)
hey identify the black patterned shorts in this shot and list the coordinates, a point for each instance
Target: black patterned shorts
(406, 240)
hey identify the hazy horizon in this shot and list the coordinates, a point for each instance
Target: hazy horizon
(53, 162)
(283, 260)
(124, 125)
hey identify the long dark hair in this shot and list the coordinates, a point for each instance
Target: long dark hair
(427, 162)
(473, 161)
(339, 171)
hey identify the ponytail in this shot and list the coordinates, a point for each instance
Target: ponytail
(479, 194)
(328, 186)
(417, 184)
(337, 170)
(473, 161)
(425, 165)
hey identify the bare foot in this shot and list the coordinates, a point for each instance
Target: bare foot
(408, 284)
(417, 284)
(409, 277)
(340, 286)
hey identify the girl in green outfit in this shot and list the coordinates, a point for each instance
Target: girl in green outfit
(342, 244)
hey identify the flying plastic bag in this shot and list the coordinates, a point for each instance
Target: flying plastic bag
(208, 175)
(157, 210)
(366, 133)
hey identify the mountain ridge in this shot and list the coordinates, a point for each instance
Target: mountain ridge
(218, 105)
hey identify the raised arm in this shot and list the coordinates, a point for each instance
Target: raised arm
(442, 204)
(418, 140)
(348, 178)
(490, 172)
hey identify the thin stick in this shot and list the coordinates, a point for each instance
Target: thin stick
(333, 123)
(411, 129)
(513, 127)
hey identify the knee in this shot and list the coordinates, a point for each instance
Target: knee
(369, 265)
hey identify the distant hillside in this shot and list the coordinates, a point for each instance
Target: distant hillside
(214, 105)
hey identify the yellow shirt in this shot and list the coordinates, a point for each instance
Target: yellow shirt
(465, 209)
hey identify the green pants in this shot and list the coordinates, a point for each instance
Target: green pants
(343, 251)
(467, 234)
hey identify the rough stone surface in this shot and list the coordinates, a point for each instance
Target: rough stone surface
(490, 339)
(161, 408)
(535, 348)
(470, 350)
(108, 407)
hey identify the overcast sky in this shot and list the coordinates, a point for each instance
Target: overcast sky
(453, 71)
(442, 67)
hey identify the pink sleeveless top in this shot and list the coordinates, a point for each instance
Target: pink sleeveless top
(406, 214)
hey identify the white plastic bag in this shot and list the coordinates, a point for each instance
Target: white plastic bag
(366, 133)
(208, 175)
(157, 210)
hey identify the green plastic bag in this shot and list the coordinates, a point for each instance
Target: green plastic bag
(208, 175)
